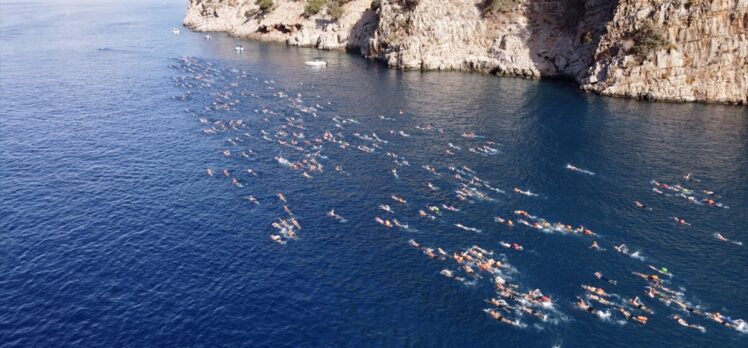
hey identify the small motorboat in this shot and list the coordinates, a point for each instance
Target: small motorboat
(239, 48)
(316, 62)
(175, 31)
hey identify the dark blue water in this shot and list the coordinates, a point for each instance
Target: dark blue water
(113, 234)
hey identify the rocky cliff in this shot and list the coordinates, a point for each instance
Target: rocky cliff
(678, 50)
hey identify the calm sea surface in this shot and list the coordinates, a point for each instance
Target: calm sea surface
(112, 234)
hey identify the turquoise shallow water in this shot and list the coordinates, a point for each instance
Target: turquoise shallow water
(113, 234)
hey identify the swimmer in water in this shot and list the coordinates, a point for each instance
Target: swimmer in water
(626, 314)
(577, 169)
(533, 312)
(595, 246)
(661, 270)
(281, 197)
(504, 221)
(683, 322)
(226, 172)
(650, 277)
(689, 177)
(623, 249)
(447, 273)
(599, 299)
(641, 205)
(276, 238)
(637, 303)
(522, 213)
(335, 216)
(209, 172)
(600, 276)
(716, 316)
(585, 306)
(596, 291)
(398, 199)
(496, 315)
(680, 221)
(252, 199)
(526, 193)
(466, 228)
(398, 224)
(386, 208)
(641, 319)
(724, 239)
(287, 210)
(686, 307)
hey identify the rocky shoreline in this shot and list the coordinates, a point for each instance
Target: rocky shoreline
(670, 50)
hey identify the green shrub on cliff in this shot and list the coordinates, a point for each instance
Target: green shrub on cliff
(410, 4)
(588, 38)
(265, 5)
(500, 5)
(313, 7)
(648, 39)
(375, 5)
(335, 10)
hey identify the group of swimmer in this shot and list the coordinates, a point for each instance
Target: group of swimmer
(286, 227)
(309, 148)
(509, 303)
(701, 197)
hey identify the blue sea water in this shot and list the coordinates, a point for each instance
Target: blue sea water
(112, 234)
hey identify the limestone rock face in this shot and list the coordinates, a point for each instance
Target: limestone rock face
(285, 22)
(703, 55)
(678, 50)
(531, 38)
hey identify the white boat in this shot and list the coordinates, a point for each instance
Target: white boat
(239, 48)
(208, 37)
(316, 62)
(175, 31)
